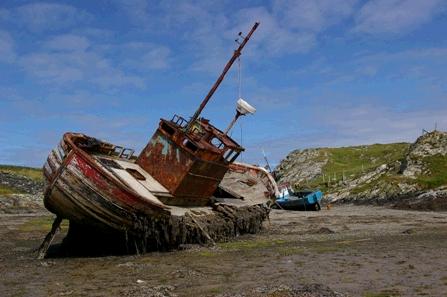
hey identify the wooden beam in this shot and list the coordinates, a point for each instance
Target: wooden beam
(42, 252)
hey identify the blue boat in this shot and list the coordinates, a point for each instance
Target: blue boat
(299, 200)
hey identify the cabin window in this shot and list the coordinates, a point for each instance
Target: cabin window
(217, 143)
(179, 121)
(117, 150)
(228, 154)
(234, 157)
(135, 173)
(188, 144)
(231, 155)
(109, 163)
(165, 127)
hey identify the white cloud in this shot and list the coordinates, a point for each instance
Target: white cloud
(145, 56)
(426, 66)
(48, 16)
(396, 16)
(272, 38)
(136, 10)
(312, 15)
(7, 51)
(372, 124)
(345, 126)
(67, 59)
(67, 42)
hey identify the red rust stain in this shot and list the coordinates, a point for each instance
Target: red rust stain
(105, 186)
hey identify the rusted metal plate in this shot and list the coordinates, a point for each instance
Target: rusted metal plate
(165, 161)
(190, 165)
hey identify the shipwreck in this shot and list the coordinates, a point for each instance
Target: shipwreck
(183, 188)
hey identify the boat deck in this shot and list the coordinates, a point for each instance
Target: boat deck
(239, 189)
(132, 175)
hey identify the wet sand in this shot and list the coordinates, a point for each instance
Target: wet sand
(355, 250)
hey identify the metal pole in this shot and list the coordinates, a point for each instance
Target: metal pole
(236, 54)
(238, 114)
(266, 161)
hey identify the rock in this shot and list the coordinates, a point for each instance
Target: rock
(21, 183)
(301, 166)
(308, 290)
(324, 230)
(21, 203)
(143, 290)
(429, 144)
(28, 197)
(435, 200)
(410, 181)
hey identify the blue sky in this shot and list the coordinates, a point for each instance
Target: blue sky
(320, 73)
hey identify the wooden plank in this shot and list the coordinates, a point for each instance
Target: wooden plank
(42, 252)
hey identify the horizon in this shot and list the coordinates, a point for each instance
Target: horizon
(320, 73)
(301, 149)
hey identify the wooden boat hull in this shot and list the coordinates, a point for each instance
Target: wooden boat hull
(95, 200)
(81, 191)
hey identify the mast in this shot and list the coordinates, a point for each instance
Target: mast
(236, 54)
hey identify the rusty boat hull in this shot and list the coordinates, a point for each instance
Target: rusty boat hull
(102, 192)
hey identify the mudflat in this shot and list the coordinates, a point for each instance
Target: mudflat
(345, 251)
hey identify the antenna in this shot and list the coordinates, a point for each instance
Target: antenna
(267, 161)
(213, 89)
(242, 108)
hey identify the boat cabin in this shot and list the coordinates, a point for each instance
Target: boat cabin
(188, 160)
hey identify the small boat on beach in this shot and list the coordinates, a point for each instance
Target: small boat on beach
(183, 188)
(298, 200)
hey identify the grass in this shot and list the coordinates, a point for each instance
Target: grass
(437, 165)
(7, 190)
(41, 224)
(33, 173)
(248, 245)
(355, 161)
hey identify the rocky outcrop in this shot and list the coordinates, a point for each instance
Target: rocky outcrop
(301, 165)
(22, 184)
(399, 183)
(429, 144)
(27, 196)
(428, 200)
(415, 180)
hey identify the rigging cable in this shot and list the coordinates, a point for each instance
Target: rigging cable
(239, 77)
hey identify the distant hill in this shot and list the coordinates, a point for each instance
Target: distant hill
(20, 189)
(377, 173)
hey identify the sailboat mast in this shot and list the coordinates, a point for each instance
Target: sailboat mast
(236, 54)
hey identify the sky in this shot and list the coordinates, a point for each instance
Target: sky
(321, 73)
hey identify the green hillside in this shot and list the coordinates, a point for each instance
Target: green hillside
(337, 164)
(371, 172)
(30, 172)
(20, 173)
(356, 160)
